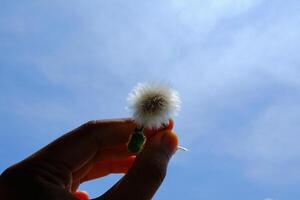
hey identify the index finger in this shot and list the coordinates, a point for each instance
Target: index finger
(76, 148)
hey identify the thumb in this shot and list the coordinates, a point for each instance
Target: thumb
(148, 171)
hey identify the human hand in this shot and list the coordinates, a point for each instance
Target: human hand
(94, 150)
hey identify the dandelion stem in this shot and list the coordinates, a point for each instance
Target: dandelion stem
(182, 148)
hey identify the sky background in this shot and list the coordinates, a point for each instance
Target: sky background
(236, 65)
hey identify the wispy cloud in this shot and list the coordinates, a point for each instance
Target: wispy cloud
(235, 64)
(270, 145)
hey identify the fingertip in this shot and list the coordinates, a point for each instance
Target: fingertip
(153, 131)
(82, 195)
(170, 141)
(166, 139)
(170, 125)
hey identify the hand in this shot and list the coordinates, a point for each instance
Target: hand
(93, 150)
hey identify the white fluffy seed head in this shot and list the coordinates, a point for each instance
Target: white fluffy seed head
(153, 104)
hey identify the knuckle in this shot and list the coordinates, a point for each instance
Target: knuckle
(15, 174)
(7, 174)
(90, 124)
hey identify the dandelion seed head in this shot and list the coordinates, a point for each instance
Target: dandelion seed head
(153, 104)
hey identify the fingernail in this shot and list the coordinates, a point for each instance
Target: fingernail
(169, 142)
(168, 126)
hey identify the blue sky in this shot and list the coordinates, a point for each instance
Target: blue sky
(236, 65)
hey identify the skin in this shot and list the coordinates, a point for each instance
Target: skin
(93, 150)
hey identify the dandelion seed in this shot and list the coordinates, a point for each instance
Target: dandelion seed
(152, 106)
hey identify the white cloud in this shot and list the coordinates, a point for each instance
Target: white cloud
(202, 16)
(225, 68)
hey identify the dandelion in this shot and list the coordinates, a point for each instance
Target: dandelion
(152, 106)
